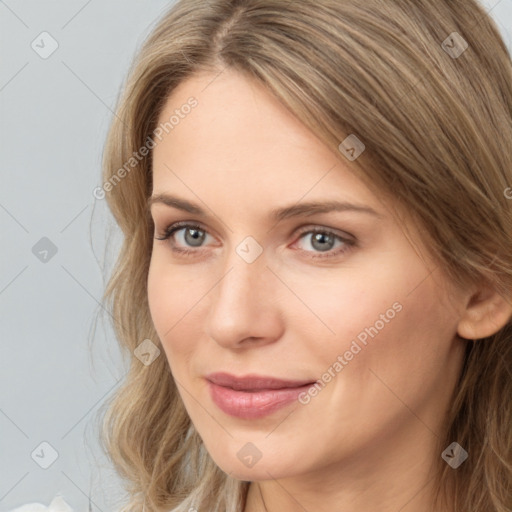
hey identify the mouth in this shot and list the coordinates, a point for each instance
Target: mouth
(253, 396)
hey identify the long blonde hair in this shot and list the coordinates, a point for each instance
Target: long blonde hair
(436, 119)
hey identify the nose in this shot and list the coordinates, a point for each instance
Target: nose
(244, 305)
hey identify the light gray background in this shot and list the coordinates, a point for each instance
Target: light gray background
(54, 115)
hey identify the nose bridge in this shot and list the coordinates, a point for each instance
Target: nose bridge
(243, 282)
(239, 305)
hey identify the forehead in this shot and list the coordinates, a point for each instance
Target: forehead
(235, 116)
(239, 139)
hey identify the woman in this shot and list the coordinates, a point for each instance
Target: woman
(315, 282)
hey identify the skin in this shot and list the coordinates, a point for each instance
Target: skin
(367, 441)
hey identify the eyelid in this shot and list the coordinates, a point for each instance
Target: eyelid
(348, 241)
(347, 237)
(175, 226)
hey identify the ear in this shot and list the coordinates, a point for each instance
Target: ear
(485, 314)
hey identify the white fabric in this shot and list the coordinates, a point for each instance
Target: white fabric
(57, 505)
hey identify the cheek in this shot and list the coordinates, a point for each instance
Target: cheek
(171, 298)
(370, 368)
(384, 308)
(159, 299)
(338, 306)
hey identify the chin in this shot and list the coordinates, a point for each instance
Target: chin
(263, 469)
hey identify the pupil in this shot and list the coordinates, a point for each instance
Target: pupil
(322, 237)
(196, 239)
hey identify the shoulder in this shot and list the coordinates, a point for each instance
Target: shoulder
(57, 505)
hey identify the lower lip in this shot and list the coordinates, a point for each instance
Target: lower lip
(253, 404)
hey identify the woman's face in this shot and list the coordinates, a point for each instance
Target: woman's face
(355, 307)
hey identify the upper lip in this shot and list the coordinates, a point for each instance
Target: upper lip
(253, 382)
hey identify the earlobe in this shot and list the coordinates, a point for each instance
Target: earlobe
(486, 313)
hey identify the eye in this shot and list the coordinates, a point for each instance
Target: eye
(323, 241)
(193, 236)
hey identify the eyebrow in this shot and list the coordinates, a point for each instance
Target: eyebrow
(277, 214)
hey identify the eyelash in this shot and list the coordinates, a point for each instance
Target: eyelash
(173, 228)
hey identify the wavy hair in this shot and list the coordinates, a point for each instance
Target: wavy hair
(436, 120)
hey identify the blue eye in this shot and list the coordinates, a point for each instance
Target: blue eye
(193, 235)
(322, 240)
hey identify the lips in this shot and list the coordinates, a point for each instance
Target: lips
(253, 396)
